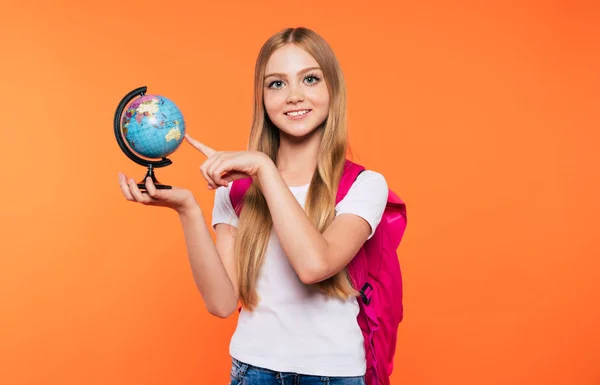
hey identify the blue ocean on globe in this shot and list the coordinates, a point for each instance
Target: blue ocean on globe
(153, 126)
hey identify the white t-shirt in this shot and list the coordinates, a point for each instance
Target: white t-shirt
(295, 328)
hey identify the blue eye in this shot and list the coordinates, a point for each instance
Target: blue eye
(276, 84)
(311, 79)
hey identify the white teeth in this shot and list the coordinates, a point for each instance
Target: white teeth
(296, 113)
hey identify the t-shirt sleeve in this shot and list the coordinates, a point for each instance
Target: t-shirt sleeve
(366, 198)
(223, 211)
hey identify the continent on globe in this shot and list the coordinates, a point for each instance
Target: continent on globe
(149, 107)
(174, 134)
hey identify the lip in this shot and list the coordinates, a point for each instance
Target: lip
(297, 117)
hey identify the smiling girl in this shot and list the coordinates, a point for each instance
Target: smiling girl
(284, 257)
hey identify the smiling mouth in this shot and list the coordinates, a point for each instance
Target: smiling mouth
(297, 113)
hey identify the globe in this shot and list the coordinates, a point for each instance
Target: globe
(148, 129)
(153, 126)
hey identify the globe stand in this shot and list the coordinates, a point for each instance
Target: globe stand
(151, 164)
(157, 184)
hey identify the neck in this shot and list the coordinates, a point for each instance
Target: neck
(297, 157)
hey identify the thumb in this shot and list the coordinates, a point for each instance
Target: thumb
(199, 146)
(153, 192)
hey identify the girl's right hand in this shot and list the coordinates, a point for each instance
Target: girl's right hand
(178, 199)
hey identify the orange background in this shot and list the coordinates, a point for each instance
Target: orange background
(484, 118)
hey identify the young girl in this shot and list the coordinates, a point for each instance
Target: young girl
(284, 258)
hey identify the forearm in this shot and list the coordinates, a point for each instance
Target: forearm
(209, 273)
(303, 244)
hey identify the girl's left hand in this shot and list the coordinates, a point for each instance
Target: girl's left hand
(223, 167)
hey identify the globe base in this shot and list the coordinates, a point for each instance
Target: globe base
(152, 176)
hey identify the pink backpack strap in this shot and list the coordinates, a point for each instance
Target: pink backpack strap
(351, 171)
(236, 195)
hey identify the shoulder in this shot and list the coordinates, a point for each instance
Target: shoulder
(367, 198)
(369, 185)
(372, 178)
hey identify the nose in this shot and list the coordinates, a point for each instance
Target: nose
(295, 95)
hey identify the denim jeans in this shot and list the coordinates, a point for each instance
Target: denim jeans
(246, 374)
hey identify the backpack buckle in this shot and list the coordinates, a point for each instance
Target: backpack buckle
(365, 299)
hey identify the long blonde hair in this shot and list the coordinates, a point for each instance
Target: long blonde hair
(255, 221)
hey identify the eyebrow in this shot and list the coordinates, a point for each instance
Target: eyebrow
(299, 73)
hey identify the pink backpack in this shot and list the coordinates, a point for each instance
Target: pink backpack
(376, 271)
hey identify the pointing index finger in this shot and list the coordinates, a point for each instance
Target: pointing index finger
(199, 146)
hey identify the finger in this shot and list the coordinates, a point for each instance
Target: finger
(220, 171)
(234, 175)
(204, 173)
(216, 170)
(226, 179)
(153, 192)
(125, 187)
(137, 194)
(207, 168)
(203, 148)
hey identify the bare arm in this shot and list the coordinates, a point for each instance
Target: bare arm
(314, 256)
(212, 265)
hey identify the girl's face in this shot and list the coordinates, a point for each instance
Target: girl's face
(296, 97)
